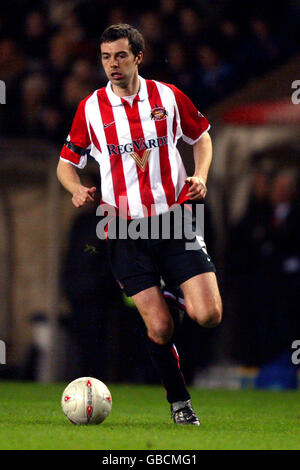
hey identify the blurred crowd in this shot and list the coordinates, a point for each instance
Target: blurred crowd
(49, 54)
(264, 267)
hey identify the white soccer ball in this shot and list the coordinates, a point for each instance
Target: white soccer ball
(86, 400)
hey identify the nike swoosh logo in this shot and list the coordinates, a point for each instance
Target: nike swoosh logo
(107, 125)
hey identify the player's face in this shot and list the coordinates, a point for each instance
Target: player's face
(119, 62)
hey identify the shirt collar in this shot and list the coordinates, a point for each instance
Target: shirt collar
(116, 100)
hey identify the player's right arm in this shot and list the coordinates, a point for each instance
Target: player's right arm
(73, 155)
(69, 178)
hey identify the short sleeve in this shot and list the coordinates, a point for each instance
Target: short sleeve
(193, 123)
(76, 146)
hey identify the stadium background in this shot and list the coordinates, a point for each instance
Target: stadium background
(237, 62)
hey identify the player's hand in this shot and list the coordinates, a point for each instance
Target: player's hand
(82, 195)
(197, 189)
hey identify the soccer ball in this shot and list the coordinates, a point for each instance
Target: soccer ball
(86, 400)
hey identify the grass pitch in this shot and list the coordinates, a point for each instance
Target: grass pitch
(31, 418)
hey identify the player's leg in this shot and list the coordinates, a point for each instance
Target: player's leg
(133, 267)
(159, 324)
(194, 272)
(202, 299)
(155, 313)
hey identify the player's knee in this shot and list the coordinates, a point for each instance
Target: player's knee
(161, 332)
(212, 317)
(206, 316)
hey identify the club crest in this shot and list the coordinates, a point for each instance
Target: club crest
(158, 113)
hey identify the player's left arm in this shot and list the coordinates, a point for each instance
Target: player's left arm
(202, 151)
(195, 129)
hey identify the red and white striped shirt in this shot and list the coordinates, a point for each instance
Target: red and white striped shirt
(135, 144)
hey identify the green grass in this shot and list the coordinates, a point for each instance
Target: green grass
(31, 418)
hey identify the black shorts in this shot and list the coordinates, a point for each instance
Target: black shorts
(141, 263)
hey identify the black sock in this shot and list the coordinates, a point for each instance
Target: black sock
(166, 361)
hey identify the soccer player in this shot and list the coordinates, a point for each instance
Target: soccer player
(131, 127)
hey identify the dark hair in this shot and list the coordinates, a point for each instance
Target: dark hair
(118, 31)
